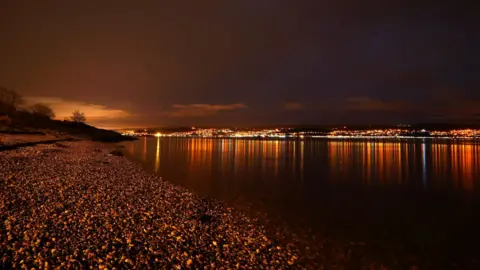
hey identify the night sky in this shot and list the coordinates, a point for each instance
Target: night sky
(245, 62)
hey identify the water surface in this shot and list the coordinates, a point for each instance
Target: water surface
(423, 193)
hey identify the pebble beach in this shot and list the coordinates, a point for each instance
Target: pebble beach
(75, 205)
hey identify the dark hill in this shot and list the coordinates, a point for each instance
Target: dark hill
(25, 122)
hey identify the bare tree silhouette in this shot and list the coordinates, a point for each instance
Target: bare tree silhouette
(10, 100)
(78, 117)
(43, 110)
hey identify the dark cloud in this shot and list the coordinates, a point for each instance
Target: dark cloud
(293, 106)
(369, 104)
(144, 57)
(201, 110)
(361, 109)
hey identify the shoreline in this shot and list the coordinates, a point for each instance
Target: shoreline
(276, 228)
(72, 204)
(393, 226)
(76, 204)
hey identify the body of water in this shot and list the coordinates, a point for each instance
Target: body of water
(418, 194)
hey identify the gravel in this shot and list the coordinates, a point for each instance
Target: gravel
(73, 205)
(8, 139)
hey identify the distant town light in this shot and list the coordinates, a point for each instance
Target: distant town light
(380, 133)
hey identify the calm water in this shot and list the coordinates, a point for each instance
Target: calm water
(421, 190)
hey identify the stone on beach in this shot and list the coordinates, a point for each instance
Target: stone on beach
(114, 153)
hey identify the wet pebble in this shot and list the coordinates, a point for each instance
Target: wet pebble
(74, 206)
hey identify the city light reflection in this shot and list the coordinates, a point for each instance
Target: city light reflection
(429, 165)
(393, 162)
(157, 156)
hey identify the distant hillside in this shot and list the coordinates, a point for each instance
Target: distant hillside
(24, 122)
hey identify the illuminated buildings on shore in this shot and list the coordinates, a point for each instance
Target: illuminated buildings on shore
(278, 133)
(458, 133)
(135, 133)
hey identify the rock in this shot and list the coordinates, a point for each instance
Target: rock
(206, 218)
(116, 153)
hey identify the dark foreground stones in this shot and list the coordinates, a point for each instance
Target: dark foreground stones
(73, 207)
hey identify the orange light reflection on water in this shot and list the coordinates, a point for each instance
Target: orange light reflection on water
(157, 156)
(371, 162)
(392, 162)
